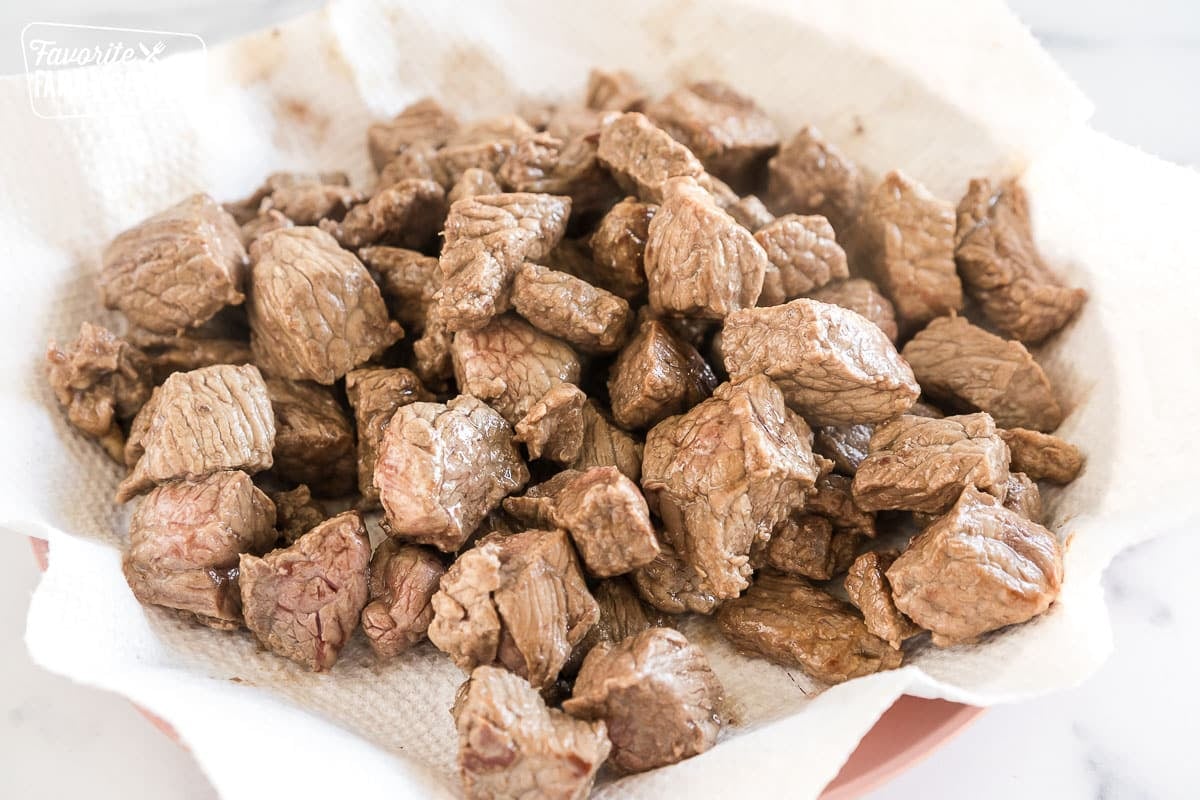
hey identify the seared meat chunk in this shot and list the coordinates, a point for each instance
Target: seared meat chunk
(308, 201)
(699, 262)
(802, 255)
(869, 590)
(923, 464)
(593, 320)
(978, 568)
(246, 210)
(724, 475)
(200, 422)
(545, 163)
(184, 542)
(408, 280)
(863, 297)
(1024, 497)
(296, 513)
(833, 366)
(622, 614)
(791, 622)
(511, 365)
(808, 545)
(510, 745)
(99, 379)
(960, 364)
(845, 445)
(471, 183)
(315, 313)
(605, 445)
(403, 580)
(406, 214)
(908, 243)
(613, 91)
(176, 269)
(375, 394)
(643, 157)
(670, 584)
(518, 601)
(304, 601)
(1001, 267)
(222, 340)
(314, 443)
(432, 358)
(267, 221)
(553, 427)
(535, 508)
(416, 162)
(832, 498)
(425, 121)
(751, 213)
(810, 176)
(1042, 456)
(656, 376)
(619, 247)
(657, 695)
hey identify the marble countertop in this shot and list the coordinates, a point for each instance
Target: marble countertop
(1126, 733)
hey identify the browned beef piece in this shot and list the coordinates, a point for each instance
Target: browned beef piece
(725, 474)
(296, 513)
(315, 313)
(699, 262)
(869, 590)
(443, 468)
(802, 255)
(501, 128)
(99, 379)
(726, 130)
(656, 376)
(1024, 497)
(810, 176)
(409, 281)
(962, 365)
(643, 157)
(751, 213)
(833, 366)
(432, 360)
(265, 222)
(375, 394)
(978, 568)
(245, 210)
(553, 426)
(863, 297)
(545, 163)
(907, 238)
(670, 584)
(808, 545)
(1002, 269)
(473, 182)
(613, 91)
(511, 365)
(184, 542)
(450, 163)
(922, 464)
(314, 442)
(303, 602)
(200, 422)
(486, 238)
(567, 122)
(622, 614)
(656, 693)
(176, 269)
(415, 162)
(424, 121)
(605, 445)
(591, 319)
(535, 508)
(224, 339)
(406, 214)
(845, 445)
(518, 601)
(832, 498)
(619, 247)
(511, 745)
(1042, 456)
(791, 622)
(307, 202)
(403, 581)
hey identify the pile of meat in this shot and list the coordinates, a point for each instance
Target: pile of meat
(595, 366)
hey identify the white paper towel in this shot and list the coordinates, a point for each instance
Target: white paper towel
(943, 90)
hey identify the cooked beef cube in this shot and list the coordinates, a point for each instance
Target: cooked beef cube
(315, 313)
(978, 568)
(726, 130)
(622, 614)
(553, 426)
(643, 157)
(309, 202)
(303, 602)
(486, 238)
(1001, 267)
(810, 176)
(960, 364)
(200, 422)
(833, 366)
(613, 91)
(535, 508)
(1042, 456)
(751, 213)
(501, 128)
(591, 319)
(657, 375)
(432, 358)
(657, 695)
(450, 163)
(802, 255)
(605, 445)
(267, 221)
(619, 247)
(791, 622)
(184, 542)
(869, 590)
(518, 601)
(922, 464)
(407, 214)
(907, 239)
(568, 122)
(699, 262)
(176, 269)
(314, 442)
(1024, 497)
(409, 281)
(442, 468)
(296, 513)
(863, 297)
(510, 365)
(246, 210)
(425, 121)
(375, 394)
(510, 745)
(403, 581)
(416, 162)
(845, 445)
(832, 498)
(725, 474)
(545, 163)
(224, 339)
(808, 545)
(670, 584)
(99, 379)
(471, 183)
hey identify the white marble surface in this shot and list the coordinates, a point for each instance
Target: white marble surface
(1127, 733)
